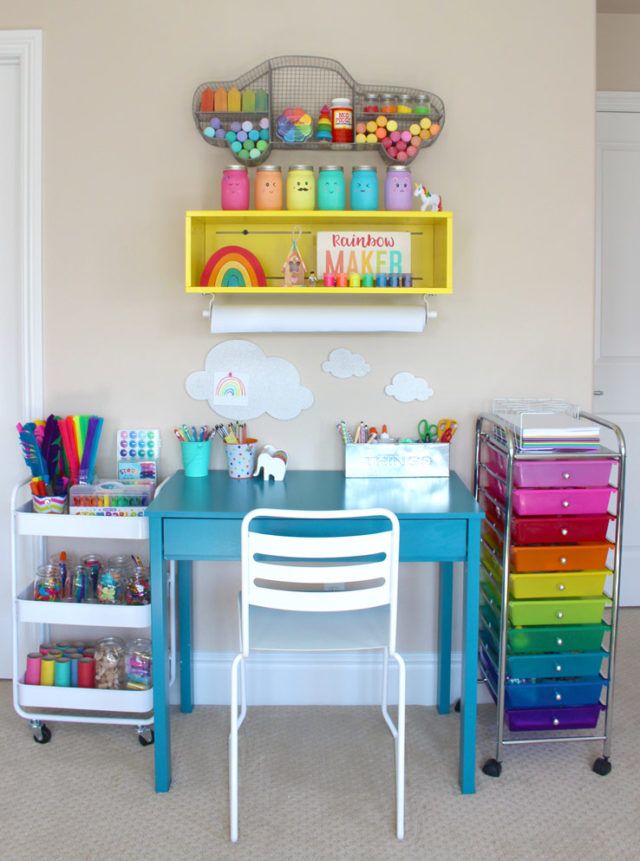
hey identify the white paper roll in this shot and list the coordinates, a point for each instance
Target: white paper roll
(236, 318)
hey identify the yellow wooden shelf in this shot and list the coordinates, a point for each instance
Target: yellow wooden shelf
(267, 235)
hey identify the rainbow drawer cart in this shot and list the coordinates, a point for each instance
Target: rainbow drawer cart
(550, 573)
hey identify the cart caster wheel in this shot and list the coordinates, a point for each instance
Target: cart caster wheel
(43, 736)
(456, 706)
(602, 766)
(144, 741)
(492, 768)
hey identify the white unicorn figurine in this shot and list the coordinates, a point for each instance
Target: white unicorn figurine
(428, 202)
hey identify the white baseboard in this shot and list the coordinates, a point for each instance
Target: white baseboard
(319, 679)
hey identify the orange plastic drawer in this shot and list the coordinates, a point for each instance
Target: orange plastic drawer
(564, 557)
(573, 584)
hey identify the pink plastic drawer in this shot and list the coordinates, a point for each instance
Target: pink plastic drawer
(571, 500)
(564, 557)
(560, 530)
(550, 473)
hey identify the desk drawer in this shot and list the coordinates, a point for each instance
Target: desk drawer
(567, 557)
(572, 584)
(568, 611)
(201, 538)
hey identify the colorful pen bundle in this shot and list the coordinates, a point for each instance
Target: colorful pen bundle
(190, 434)
(233, 433)
(363, 433)
(60, 451)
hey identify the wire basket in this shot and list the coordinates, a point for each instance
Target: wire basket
(310, 83)
(545, 424)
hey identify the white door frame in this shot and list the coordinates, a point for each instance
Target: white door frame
(24, 47)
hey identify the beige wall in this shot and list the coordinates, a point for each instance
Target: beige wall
(122, 161)
(617, 57)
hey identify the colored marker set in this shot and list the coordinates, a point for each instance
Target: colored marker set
(190, 434)
(354, 279)
(122, 498)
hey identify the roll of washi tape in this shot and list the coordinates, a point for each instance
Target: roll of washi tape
(407, 280)
(341, 279)
(62, 673)
(367, 279)
(55, 653)
(34, 661)
(86, 673)
(74, 657)
(394, 281)
(329, 280)
(381, 279)
(47, 670)
(354, 279)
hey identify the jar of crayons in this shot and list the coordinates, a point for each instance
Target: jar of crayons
(138, 665)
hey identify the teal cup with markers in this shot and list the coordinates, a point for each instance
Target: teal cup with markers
(195, 458)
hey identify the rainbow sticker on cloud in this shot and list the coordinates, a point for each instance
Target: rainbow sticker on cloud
(230, 389)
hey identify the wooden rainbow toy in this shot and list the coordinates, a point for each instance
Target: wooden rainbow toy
(233, 266)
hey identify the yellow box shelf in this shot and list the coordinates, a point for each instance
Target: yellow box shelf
(267, 235)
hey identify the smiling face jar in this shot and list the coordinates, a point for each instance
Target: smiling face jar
(364, 187)
(234, 189)
(301, 187)
(267, 189)
(332, 192)
(398, 193)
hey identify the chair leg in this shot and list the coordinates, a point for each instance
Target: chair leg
(233, 750)
(400, 744)
(385, 693)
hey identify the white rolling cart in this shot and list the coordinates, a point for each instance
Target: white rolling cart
(32, 620)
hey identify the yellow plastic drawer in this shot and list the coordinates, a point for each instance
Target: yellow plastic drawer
(558, 584)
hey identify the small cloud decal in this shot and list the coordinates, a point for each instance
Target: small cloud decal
(406, 387)
(240, 382)
(343, 364)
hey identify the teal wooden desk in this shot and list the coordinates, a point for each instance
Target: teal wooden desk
(199, 519)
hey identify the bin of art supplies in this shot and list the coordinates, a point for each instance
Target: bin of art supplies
(195, 457)
(241, 458)
(111, 498)
(49, 504)
(396, 460)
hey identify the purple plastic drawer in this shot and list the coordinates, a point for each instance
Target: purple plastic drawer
(576, 717)
(550, 473)
(571, 500)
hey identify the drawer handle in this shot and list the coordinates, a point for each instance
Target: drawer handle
(558, 668)
(564, 532)
(556, 721)
(558, 697)
(561, 587)
(565, 503)
(563, 560)
(566, 476)
(559, 641)
(559, 615)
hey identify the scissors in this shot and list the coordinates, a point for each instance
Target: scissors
(427, 432)
(446, 429)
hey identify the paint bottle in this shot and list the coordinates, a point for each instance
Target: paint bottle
(342, 121)
(234, 188)
(364, 187)
(332, 192)
(398, 194)
(267, 188)
(301, 187)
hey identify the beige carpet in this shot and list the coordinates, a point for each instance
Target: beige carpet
(316, 783)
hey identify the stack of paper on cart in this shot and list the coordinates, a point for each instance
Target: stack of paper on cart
(555, 431)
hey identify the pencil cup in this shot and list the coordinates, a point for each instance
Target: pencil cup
(49, 504)
(241, 458)
(195, 458)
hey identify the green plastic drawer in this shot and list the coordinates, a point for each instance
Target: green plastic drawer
(558, 584)
(572, 611)
(561, 638)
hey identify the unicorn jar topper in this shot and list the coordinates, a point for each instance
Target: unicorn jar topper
(294, 267)
(429, 202)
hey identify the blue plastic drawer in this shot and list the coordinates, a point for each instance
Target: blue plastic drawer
(560, 665)
(543, 694)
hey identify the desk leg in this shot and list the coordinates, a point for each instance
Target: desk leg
(160, 657)
(184, 605)
(444, 637)
(468, 708)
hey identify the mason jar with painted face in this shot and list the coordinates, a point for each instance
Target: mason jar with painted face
(332, 192)
(364, 187)
(398, 193)
(301, 187)
(268, 187)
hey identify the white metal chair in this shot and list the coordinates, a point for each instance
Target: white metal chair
(319, 581)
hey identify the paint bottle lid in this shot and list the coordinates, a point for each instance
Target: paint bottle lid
(274, 167)
(341, 103)
(402, 167)
(331, 167)
(363, 167)
(235, 167)
(301, 167)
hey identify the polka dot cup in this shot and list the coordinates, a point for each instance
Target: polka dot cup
(241, 458)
